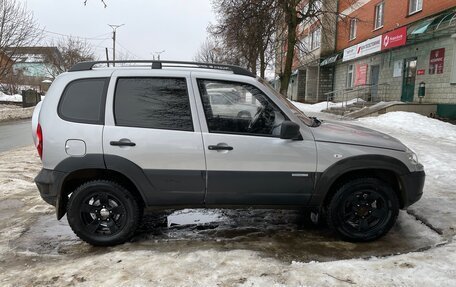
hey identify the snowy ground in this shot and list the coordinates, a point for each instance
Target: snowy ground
(238, 248)
(12, 112)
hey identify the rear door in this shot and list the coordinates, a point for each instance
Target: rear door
(152, 127)
(247, 162)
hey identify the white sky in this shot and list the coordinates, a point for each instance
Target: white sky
(176, 26)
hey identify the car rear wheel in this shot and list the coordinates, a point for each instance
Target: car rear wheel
(103, 213)
(363, 209)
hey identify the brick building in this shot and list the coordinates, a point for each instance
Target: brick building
(391, 46)
(384, 47)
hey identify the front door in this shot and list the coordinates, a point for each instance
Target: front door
(153, 132)
(408, 84)
(375, 72)
(247, 162)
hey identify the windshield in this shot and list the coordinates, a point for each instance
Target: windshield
(303, 117)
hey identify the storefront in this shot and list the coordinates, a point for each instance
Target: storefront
(394, 64)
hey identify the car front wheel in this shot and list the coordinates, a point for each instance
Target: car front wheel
(363, 209)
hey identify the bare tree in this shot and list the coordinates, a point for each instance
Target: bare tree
(72, 50)
(246, 27)
(18, 28)
(212, 51)
(294, 16)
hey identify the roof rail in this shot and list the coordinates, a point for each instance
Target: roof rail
(85, 66)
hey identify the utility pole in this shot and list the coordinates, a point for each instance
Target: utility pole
(107, 56)
(114, 28)
(158, 54)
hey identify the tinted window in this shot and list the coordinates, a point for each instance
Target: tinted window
(157, 103)
(84, 101)
(248, 110)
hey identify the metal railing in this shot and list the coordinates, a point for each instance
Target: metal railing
(367, 93)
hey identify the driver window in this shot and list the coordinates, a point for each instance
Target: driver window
(239, 108)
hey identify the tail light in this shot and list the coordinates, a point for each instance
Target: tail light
(39, 144)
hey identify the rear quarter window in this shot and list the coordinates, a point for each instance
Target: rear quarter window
(83, 101)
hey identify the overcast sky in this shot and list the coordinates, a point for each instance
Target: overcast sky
(176, 26)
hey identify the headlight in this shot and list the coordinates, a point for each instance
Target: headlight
(414, 159)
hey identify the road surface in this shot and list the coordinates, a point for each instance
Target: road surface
(15, 134)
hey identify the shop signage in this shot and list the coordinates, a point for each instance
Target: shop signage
(350, 53)
(436, 61)
(361, 75)
(368, 47)
(421, 72)
(395, 38)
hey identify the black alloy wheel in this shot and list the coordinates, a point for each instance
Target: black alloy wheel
(103, 213)
(363, 209)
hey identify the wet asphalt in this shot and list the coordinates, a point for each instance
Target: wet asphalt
(15, 134)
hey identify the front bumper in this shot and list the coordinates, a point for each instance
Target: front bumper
(49, 183)
(412, 187)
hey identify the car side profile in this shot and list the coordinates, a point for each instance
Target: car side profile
(151, 134)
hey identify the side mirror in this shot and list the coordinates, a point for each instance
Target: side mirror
(290, 131)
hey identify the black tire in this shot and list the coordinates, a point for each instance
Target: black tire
(363, 209)
(103, 213)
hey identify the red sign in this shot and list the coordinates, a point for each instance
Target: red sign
(361, 75)
(420, 72)
(395, 38)
(436, 61)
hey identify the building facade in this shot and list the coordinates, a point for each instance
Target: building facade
(385, 49)
(392, 47)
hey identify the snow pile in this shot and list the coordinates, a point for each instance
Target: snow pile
(415, 124)
(10, 98)
(318, 107)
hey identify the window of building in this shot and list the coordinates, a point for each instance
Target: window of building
(83, 101)
(316, 39)
(305, 45)
(155, 103)
(350, 76)
(353, 24)
(415, 6)
(379, 11)
(247, 111)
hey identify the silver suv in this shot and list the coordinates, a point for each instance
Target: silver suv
(114, 141)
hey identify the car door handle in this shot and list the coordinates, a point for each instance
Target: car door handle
(122, 143)
(220, 147)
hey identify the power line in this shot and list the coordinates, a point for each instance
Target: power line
(128, 50)
(73, 36)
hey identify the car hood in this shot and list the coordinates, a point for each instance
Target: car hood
(356, 135)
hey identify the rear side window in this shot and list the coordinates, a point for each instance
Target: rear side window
(83, 101)
(156, 103)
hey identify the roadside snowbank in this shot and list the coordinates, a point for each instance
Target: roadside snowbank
(10, 98)
(9, 113)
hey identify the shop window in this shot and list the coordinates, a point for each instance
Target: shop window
(353, 24)
(415, 6)
(379, 11)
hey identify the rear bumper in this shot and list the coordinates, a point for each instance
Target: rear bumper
(412, 187)
(49, 184)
